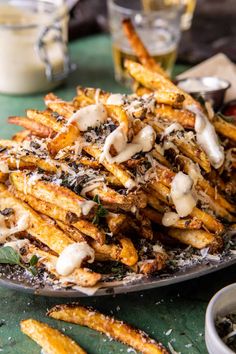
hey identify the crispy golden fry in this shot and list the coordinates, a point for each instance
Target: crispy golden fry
(66, 137)
(196, 238)
(117, 170)
(80, 276)
(29, 162)
(140, 90)
(224, 128)
(123, 252)
(46, 118)
(204, 185)
(48, 234)
(191, 150)
(118, 114)
(7, 143)
(159, 157)
(138, 47)
(186, 223)
(50, 339)
(110, 197)
(59, 106)
(116, 222)
(212, 224)
(21, 136)
(151, 266)
(74, 313)
(51, 193)
(156, 81)
(3, 177)
(183, 117)
(128, 254)
(60, 214)
(172, 99)
(71, 231)
(36, 128)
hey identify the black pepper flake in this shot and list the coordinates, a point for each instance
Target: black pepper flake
(7, 212)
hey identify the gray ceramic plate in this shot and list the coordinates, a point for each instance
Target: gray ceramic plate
(9, 279)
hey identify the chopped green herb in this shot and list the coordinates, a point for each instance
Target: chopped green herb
(101, 212)
(9, 256)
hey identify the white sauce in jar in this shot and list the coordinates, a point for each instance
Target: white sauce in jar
(181, 194)
(204, 84)
(73, 256)
(22, 70)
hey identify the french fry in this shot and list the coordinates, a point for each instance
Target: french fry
(196, 238)
(117, 170)
(119, 115)
(186, 223)
(224, 128)
(71, 231)
(156, 81)
(172, 99)
(36, 128)
(74, 313)
(50, 339)
(139, 48)
(59, 106)
(183, 117)
(66, 137)
(66, 217)
(60, 196)
(21, 136)
(48, 234)
(80, 276)
(47, 118)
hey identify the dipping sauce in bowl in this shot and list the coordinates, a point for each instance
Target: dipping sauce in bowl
(211, 88)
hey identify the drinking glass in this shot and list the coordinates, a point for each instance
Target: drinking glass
(159, 30)
(188, 9)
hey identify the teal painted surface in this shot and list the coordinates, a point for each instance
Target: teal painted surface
(180, 307)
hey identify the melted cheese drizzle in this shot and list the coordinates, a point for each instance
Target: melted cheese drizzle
(73, 256)
(86, 206)
(4, 167)
(181, 194)
(17, 244)
(22, 225)
(169, 218)
(173, 127)
(91, 116)
(207, 138)
(115, 99)
(143, 141)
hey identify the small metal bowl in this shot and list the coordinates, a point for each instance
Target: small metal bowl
(211, 88)
(222, 303)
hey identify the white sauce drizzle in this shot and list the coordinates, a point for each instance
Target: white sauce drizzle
(22, 225)
(90, 116)
(173, 127)
(169, 218)
(90, 187)
(143, 141)
(181, 194)
(207, 138)
(115, 99)
(86, 206)
(4, 167)
(17, 244)
(73, 256)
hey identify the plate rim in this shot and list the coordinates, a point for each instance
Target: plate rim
(181, 276)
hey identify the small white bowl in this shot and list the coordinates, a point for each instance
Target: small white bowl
(222, 303)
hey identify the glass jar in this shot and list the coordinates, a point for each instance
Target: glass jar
(33, 45)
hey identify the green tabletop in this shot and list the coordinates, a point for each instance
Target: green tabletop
(174, 314)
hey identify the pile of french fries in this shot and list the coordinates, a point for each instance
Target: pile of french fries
(54, 176)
